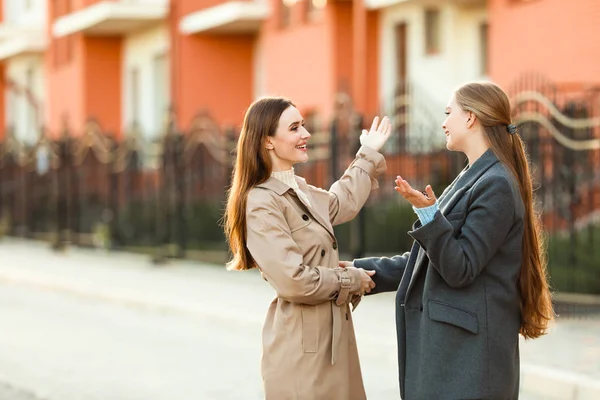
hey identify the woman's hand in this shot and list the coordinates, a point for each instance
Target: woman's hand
(366, 283)
(415, 197)
(378, 135)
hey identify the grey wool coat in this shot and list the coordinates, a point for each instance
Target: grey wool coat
(457, 303)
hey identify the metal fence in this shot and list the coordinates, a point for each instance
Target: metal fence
(166, 197)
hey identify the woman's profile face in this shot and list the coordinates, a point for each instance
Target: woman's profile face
(288, 146)
(455, 126)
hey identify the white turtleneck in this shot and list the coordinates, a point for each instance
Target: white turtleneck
(289, 179)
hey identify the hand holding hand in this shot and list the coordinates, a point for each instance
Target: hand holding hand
(366, 283)
(419, 199)
(378, 135)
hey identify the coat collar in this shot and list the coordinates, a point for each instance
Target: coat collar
(275, 185)
(467, 178)
(279, 187)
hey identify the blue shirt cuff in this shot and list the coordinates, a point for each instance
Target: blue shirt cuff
(426, 214)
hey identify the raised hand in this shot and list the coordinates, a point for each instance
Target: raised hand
(419, 199)
(379, 133)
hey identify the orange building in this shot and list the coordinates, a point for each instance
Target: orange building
(125, 62)
(555, 38)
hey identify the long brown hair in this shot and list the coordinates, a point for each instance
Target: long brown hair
(252, 167)
(491, 106)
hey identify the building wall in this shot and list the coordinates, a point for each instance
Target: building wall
(83, 78)
(209, 72)
(556, 38)
(86, 84)
(102, 82)
(65, 88)
(297, 59)
(213, 74)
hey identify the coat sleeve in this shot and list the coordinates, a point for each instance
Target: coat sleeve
(388, 271)
(488, 221)
(280, 260)
(349, 194)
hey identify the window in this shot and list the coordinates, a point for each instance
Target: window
(483, 48)
(29, 107)
(134, 97)
(12, 107)
(432, 31)
(161, 91)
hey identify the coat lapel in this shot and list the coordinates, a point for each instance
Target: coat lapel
(314, 208)
(281, 189)
(465, 180)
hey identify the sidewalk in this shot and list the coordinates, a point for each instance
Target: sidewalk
(565, 364)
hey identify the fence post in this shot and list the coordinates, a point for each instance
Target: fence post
(180, 178)
(62, 194)
(161, 201)
(113, 188)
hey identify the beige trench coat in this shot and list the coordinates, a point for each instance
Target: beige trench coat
(309, 347)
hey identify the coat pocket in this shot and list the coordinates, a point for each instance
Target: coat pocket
(310, 332)
(448, 314)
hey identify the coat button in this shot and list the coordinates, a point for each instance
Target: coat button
(346, 316)
(421, 307)
(335, 245)
(322, 253)
(305, 217)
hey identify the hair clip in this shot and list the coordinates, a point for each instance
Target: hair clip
(510, 128)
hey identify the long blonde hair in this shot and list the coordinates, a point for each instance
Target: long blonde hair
(252, 167)
(491, 106)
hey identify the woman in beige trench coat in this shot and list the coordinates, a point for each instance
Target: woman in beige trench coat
(278, 223)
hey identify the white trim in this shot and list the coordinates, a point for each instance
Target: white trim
(230, 16)
(15, 40)
(377, 4)
(90, 19)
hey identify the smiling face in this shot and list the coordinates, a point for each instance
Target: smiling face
(288, 146)
(456, 126)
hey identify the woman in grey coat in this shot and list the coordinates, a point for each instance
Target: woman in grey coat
(476, 275)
